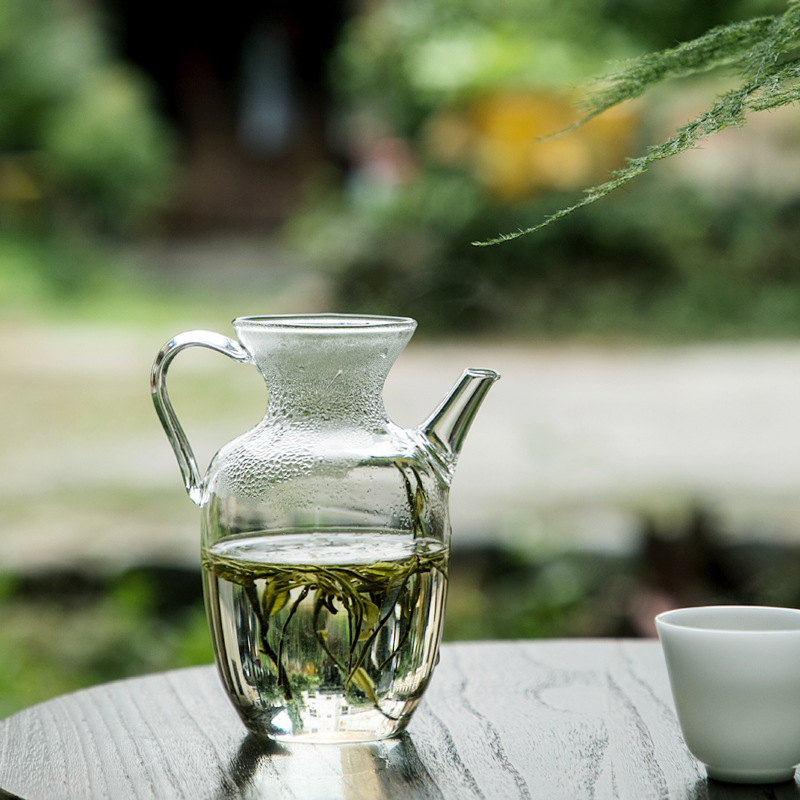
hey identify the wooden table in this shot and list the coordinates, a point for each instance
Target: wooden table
(541, 720)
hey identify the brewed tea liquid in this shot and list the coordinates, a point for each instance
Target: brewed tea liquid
(326, 636)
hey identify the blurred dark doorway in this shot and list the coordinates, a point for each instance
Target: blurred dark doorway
(246, 86)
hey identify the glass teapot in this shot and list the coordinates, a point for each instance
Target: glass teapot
(325, 529)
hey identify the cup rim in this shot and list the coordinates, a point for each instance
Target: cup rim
(732, 619)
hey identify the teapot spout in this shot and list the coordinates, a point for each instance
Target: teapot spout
(449, 424)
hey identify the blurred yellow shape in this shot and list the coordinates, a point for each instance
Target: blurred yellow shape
(507, 139)
(17, 185)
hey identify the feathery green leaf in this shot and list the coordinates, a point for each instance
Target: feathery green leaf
(763, 51)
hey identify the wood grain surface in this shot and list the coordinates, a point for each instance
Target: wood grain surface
(539, 720)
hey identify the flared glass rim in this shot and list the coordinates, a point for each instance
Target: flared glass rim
(327, 322)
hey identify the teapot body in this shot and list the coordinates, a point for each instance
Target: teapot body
(279, 478)
(325, 529)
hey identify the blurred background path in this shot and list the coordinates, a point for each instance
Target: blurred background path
(576, 447)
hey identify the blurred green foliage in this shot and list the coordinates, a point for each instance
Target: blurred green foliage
(449, 104)
(406, 58)
(667, 265)
(79, 138)
(83, 153)
(64, 631)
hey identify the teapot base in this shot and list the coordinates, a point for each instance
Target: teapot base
(358, 728)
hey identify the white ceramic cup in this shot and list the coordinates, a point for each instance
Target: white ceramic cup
(735, 678)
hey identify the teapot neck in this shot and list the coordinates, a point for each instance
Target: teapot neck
(332, 401)
(326, 368)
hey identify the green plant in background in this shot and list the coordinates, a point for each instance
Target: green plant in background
(64, 630)
(403, 59)
(79, 139)
(83, 153)
(763, 52)
(453, 111)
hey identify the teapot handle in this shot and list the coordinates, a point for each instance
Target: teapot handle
(158, 386)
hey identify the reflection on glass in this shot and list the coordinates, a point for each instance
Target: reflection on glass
(379, 770)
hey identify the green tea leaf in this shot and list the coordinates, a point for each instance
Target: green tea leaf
(363, 681)
(371, 615)
(368, 596)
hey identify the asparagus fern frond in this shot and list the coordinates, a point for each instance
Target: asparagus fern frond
(764, 51)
